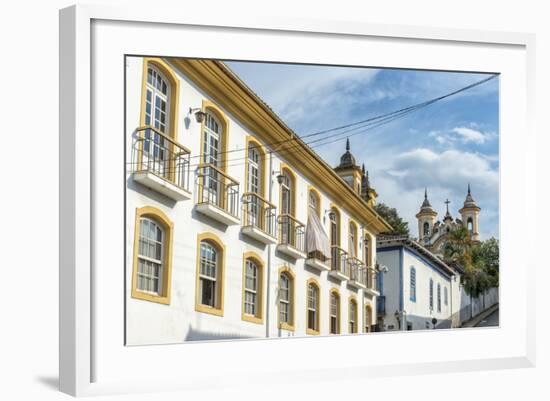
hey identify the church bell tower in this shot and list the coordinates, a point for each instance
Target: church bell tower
(470, 215)
(426, 219)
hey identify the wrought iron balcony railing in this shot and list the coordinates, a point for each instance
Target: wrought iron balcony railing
(381, 305)
(358, 271)
(339, 261)
(258, 213)
(291, 232)
(156, 153)
(215, 188)
(371, 282)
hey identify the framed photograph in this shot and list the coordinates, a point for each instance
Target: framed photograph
(290, 200)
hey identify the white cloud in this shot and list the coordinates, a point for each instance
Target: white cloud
(446, 174)
(470, 135)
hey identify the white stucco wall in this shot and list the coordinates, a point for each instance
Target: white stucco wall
(152, 323)
(397, 284)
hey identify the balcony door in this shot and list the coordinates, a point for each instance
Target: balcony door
(212, 180)
(155, 147)
(286, 210)
(253, 206)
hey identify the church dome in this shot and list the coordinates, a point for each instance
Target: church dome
(347, 160)
(469, 201)
(426, 206)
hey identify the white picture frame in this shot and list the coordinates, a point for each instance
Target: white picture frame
(93, 359)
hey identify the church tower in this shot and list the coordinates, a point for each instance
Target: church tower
(349, 171)
(367, 192)
(470, 215)
(426, 219)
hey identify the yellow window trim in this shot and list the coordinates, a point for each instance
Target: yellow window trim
(208, 106)
(252, 141)
(282, 168)
(167, 71)
(161, 218)
(334, 208)
(214, 240)
(292, 278)
(338, 312)
(368, 308)
(259, 318)
(312, 189)
(353, 302)
(372, 242)
(353, 225)
(318, 307)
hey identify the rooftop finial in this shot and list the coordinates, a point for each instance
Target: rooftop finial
(469, 189)
(426, 193)
(363, 168)
(347, 144)
(447, 203)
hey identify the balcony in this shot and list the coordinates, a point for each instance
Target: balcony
(339, 266)
(160, 163)
(217, 195)
(292, 235)
(358, 273)
(258, 218)
(371, 284)
(318, 261)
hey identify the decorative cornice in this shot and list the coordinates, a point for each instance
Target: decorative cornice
(225, 88)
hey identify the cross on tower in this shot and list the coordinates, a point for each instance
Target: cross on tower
(447, 203)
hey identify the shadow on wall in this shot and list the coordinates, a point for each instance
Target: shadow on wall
(194, 334)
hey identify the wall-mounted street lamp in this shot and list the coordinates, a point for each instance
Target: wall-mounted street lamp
(280, 176)
(199, 114)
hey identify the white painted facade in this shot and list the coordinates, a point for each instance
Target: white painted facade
(398, 295)
(155, 323)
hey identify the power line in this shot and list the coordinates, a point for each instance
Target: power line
(359, 126)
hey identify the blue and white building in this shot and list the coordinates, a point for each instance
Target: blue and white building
(418, 291)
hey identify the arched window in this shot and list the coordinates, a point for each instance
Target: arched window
(334, 315)
(335, 238)
(254, 193)
(314, 200)
(367, 250)
(286, 299)
(439, 297)
(287, 203)
(252, 288)
(413, 284)
(352, 316)
(431, 294)
(470, 225)
(152, 256)
(368, 318)
(426, 229)
(312, 307)
(352, 246)
(445, 296)
(210, 269)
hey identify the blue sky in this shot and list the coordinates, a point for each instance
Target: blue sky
(443, 147)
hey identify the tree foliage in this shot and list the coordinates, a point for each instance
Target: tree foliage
(390, 214)
(480, 261)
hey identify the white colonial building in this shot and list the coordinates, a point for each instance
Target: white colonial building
(235, 227)
(416, 287)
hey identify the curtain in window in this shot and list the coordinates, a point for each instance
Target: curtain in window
(316, 238)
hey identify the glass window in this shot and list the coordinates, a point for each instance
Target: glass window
(150, 256)
(431, 294)
(312, 307)
(209, 268)
(334, 313)
(353, 316)
(254, 172)
(352, 246)
(284, 299)
(445, 296)
(413, 284)
(368, 319)
(366, 255)
(438, 297)
(426, 229)
(251, 288)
